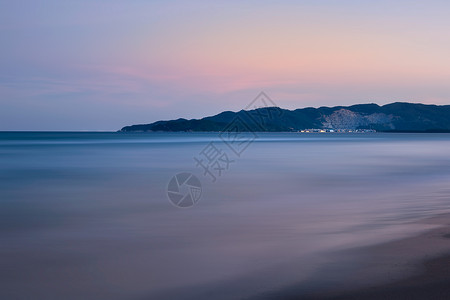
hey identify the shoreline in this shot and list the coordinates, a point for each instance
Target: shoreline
(433, 282)
(416, 267)
(428, 255)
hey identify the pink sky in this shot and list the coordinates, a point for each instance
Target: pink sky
(79, 65)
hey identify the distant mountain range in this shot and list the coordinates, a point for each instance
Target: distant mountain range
(394, 117)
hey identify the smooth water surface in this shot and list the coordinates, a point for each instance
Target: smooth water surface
(86, 215)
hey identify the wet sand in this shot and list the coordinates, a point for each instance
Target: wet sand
(417, 267)
(433, 282)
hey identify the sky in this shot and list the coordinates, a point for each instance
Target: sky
(102, 65)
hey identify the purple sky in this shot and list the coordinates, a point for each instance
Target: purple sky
(101, 65)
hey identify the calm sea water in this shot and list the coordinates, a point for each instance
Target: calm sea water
(86, 215)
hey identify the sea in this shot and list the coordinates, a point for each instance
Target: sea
(114, 215)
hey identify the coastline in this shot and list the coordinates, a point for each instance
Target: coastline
(416, 267)
(433, 282)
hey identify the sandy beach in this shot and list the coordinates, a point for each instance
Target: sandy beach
(417, 267)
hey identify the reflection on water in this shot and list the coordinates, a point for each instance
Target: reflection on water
(86, 215)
